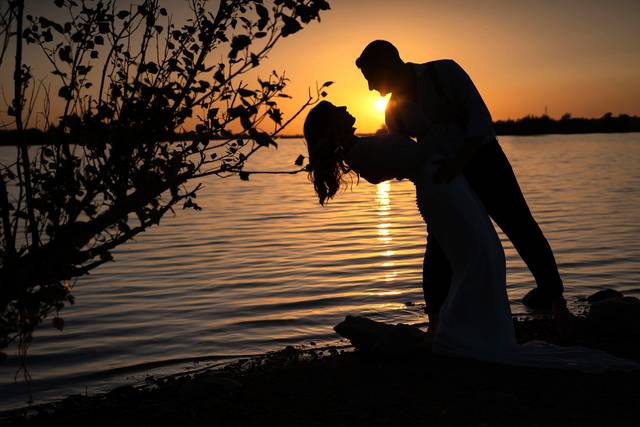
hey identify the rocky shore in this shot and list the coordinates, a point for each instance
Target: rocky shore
(381, 387)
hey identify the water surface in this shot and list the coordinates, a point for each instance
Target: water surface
(263, 265)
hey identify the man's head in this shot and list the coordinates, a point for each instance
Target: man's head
(381, 65)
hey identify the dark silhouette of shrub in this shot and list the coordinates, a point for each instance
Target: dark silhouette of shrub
(116, 160)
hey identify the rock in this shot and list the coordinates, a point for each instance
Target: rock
(604, 294)
(619, 314)
(123, 392)
(376, 337)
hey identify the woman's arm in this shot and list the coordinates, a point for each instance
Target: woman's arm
(383, 157)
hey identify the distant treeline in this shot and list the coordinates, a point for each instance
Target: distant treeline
(529, 125)
(38, 137)
(532, 125)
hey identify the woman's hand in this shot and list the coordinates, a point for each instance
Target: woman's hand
(450, 168)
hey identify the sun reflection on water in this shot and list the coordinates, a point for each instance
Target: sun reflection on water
(384, 230)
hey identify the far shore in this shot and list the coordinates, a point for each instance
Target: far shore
(525, 126)
(41, 141)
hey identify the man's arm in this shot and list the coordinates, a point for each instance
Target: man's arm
(466, 103)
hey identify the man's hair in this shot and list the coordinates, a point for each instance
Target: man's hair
(378, 52)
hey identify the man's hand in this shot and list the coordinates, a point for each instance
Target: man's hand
(449, 169)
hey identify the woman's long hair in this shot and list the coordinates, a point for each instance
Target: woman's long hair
(326, 157)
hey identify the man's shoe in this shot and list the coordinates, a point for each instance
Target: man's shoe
(537, 300)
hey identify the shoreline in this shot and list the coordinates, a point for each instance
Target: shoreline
(334, 386)
(40, 138)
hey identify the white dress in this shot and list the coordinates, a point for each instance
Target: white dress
(475, 320)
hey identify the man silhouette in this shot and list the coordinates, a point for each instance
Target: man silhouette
(439, 92)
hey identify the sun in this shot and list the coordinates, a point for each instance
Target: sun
(381, 103)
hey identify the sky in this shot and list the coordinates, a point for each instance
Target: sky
(526, 57)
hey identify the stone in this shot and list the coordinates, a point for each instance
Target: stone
(604, 295)
(619, 314)
(376, 337)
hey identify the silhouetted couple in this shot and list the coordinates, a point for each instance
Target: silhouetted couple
(462, 179)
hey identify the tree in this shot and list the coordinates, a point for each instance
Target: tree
(116, 161)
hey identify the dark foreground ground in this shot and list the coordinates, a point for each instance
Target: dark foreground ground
(344, 388)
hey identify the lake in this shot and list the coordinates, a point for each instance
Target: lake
(263, 265)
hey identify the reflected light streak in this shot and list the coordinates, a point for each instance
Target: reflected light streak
(390, 277)
(384, 208)
(383, 193)
(387, 293)
(384, 233)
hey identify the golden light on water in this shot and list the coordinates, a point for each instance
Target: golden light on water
(384, 205)
(382, 195)
(384, 228)
(388, 293)
(384, 210)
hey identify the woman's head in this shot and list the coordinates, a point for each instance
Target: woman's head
(326, 129)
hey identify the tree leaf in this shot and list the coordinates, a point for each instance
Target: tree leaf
(245, 92)
(291, 26)
(246, 122)
(65, 92)
(275, 115)
(263, 139)
(58, 323)
(263, 14)
(104, 27)
(240, 42)
(64, 54)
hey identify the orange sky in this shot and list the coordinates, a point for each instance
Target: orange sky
(579, 56)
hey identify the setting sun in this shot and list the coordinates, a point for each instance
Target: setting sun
(381, 104)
